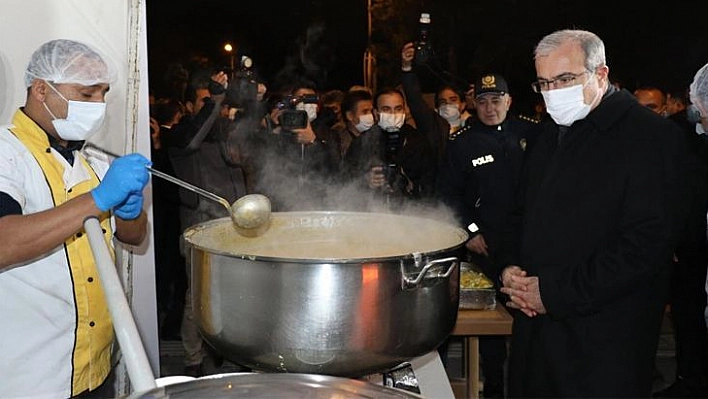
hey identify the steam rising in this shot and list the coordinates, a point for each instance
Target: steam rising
(292, 187)
(296, 177)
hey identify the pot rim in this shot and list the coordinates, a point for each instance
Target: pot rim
(262, 384)
(463, 236)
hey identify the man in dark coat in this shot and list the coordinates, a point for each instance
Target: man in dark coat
(391, 161)
(478, 180)
(600, 214)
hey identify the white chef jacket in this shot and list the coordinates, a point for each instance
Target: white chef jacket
(54, 323)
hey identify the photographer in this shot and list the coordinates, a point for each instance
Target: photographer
(200, 155)
(391, 160)
(358, 118)
(293, 151)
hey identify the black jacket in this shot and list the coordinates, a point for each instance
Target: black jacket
(598, 222)
(294, 176)
(198, 149)
(427, 120)
(413, 161)
(480, 173)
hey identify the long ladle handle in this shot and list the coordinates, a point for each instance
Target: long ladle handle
(182, 183)
(190, 187)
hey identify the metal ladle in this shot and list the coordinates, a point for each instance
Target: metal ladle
(250, 214)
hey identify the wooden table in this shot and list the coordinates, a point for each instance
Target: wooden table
(470, 325)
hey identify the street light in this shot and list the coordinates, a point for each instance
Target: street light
(230, 49)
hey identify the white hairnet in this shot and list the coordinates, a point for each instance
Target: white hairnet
(67, 61)
(699, 90)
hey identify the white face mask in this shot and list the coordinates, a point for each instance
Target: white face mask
(366, 121)
(311, 110)
(391, 122)
(451, 113)
(83, 119)
(566, 105)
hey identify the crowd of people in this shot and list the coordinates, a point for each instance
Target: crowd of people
(576, 210)
(590, 218)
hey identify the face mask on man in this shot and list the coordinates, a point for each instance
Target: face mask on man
(693, 114)
(366, 121)
(391, 122)
(566, 105)
(83, 118)
(451, 113)
(311, 110)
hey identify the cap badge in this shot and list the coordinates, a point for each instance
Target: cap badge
(489, 82)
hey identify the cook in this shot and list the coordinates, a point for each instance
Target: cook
(56, 329)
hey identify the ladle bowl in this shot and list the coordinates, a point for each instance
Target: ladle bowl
(250, 214)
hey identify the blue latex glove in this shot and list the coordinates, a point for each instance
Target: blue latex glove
(131, 208)
(126, 175)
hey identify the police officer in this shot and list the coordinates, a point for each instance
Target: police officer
(477, 180)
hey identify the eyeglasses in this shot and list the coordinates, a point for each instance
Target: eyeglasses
(564, 80)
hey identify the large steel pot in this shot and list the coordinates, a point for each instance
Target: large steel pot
(269, 386)
(337, 293)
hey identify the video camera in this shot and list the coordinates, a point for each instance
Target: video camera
(292, 118)
(392, 143)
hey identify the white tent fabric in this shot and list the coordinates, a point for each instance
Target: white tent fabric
(118, 29)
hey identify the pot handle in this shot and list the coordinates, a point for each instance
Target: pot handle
(408, 282)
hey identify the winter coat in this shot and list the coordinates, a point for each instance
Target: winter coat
(598, 220)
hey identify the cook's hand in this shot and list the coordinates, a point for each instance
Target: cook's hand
(478, 245)
(131, 208)
(126, 175)
(407, 55)
(306, 135)
(376, 177)
(524, 292)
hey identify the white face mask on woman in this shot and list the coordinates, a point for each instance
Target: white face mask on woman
(83, 118)
(566, 105)
(366, 121)
(451, 113)
(391, 122)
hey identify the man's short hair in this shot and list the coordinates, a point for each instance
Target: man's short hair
(388, 90)
(352, 98)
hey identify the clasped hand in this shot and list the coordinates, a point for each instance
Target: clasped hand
(523, 290)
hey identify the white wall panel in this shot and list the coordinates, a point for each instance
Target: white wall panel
(117, 29)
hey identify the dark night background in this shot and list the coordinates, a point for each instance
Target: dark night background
(648, 42)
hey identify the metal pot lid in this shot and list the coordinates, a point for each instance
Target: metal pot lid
(277, 385)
